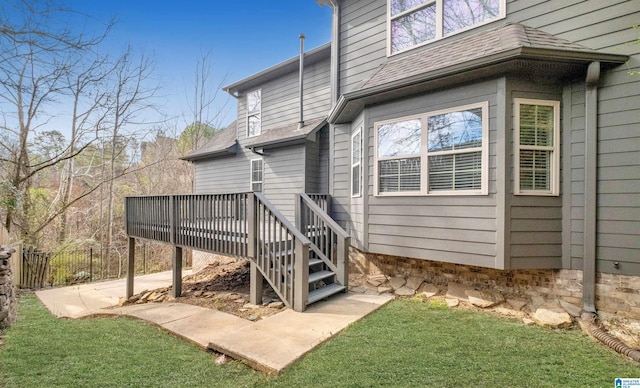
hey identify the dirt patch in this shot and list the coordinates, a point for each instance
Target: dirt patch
(223, 286)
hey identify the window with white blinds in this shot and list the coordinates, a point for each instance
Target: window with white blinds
(256, 175)
(537, 153)
(443, 152)
(356, 163)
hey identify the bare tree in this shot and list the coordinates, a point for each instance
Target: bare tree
(36, 51)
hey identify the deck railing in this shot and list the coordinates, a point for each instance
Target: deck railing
(281, 253)
(329, 241)
(243, 224)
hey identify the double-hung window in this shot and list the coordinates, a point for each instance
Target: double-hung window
(416, 22)
(443, 152)
(256, 174)
(356, 163)
(254, 107)
(537, 148)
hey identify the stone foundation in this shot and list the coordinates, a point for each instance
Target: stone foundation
(8, 303)
(617, 296)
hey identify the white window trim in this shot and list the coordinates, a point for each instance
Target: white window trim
(358, 164)
(439, 24)
(555, 149)
(259, 113)
(251, 181)
(424, 155)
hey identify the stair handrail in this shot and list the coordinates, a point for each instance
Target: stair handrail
(301, 248)
(343, 239)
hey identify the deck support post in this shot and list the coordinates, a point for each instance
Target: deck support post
(176, 290)
(131, 266)
(255, 287)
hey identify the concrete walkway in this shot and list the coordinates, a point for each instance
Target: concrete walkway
(269, 345)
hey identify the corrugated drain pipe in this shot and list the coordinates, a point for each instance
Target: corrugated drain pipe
(607, 339)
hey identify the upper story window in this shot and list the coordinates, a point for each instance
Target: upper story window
(443, 152)
(417, 22)
(537, 147)
(254, 107)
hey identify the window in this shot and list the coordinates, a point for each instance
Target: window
(443, 152)
(254, 106)
(416, 22)
(537, 138)
(256, 175)
(356, 163)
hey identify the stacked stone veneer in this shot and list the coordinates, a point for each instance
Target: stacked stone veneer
(617, 296)
(8, 304)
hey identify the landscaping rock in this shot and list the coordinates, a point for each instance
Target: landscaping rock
(414, 282)
(552, 316)
(397, 282)
(276, 305)
(384, 290)
(528, 321)
(572, 309)
(376, 280)
(405, 291)
(484, 299)
(452, 302)
(457, 290)
(250, 306)
(507, 312)
(428, 290)
(516, 304)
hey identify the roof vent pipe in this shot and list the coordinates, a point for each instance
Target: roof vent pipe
(301, 122)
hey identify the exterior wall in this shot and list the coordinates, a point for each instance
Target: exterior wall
(458, 229)
(599, 25)
(341, 202)
(284, 177)
(228, 174)
(280, 99)
(535, 222)
(317, 163)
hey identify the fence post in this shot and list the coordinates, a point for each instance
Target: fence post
(176, 290)
(90, 264)
(131, 269)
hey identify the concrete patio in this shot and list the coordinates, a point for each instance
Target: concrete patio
(269, 345)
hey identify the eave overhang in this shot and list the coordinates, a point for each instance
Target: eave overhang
(287, 67)
(288, 136)
(549, 63)
(228, 151)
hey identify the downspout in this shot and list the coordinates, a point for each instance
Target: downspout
(301, 82)
(590, 191)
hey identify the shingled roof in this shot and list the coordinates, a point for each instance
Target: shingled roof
(482, 50)
(286, 134)
(224, 142)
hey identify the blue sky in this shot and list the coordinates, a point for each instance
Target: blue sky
(242, 37)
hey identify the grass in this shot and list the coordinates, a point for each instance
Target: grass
(406, 343)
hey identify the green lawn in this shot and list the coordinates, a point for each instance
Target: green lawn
(403, 344)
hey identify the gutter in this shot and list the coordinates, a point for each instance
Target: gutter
(531, 53)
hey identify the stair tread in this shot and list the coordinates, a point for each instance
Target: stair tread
(319, 275)
(324, 292)
(312, 262)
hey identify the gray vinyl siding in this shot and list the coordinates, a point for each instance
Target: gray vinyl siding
(362, 41)
(457, 229)
(222, 175)
(340, 176)
(535, 221)
(317, 163)
(280, 98)
(543, 230)
(284, 177)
